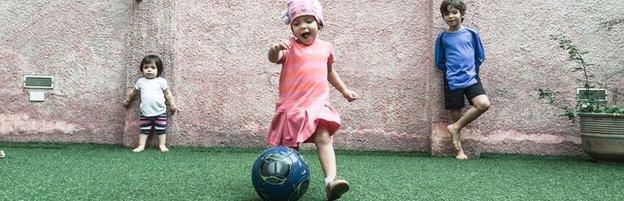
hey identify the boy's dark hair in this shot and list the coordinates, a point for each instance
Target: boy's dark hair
(152, 58)
(457, 4)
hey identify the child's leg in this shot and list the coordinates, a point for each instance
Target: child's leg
(162, 139)
(456, 136)
(160, 127)
(325, 149)
(455, 116)
(481, 104)
(145, 129)
(142, 141)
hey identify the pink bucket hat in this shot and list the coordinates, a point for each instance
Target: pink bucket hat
(298, 8)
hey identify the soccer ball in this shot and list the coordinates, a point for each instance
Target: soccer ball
(280, 174)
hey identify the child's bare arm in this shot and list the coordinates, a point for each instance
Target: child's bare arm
(130, 97)
(169, 97)
(276, 51)
(334, 80)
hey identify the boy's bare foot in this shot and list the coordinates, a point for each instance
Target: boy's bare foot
(336, 188)
(2, 154)
(461, 155)
(138, 149)
(163, 149)
(455, 136)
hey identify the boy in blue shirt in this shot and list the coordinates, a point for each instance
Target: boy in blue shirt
(459, 53)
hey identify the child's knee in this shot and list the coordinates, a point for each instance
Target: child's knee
(483, 105)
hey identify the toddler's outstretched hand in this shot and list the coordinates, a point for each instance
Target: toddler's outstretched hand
(350, 95)
(284, 45)
(276, 51)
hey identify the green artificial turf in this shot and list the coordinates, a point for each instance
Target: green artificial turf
(101, 172)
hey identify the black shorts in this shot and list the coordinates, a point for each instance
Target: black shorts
(454, 100)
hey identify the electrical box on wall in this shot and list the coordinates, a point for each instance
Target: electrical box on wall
(37, 85)
(38, 82)
(36, 96)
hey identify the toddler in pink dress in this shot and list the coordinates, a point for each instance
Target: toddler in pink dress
(303, 112)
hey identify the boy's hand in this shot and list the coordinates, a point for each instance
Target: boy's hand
(173, 109)
(350, 95)
(126, 103)
(281, 46)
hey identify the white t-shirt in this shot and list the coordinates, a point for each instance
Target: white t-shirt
(152, 96)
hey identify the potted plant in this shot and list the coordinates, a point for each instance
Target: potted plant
(601, 124)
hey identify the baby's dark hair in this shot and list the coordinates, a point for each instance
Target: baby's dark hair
(152, 58)
(457, 4)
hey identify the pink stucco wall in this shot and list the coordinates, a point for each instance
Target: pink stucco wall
(215, 61)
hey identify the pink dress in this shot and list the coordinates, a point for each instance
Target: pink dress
(304, 95)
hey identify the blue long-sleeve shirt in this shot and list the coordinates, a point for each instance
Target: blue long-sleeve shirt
(459, 54)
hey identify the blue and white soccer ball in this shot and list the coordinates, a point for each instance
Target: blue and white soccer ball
(280, 174)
